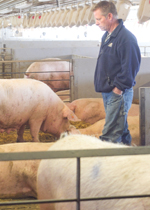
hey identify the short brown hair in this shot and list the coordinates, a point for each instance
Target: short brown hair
(106, 7)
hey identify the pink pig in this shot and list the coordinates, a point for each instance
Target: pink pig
(99, 177)
(18, 179)
(28, 101)
(53, 73)
(91, 110)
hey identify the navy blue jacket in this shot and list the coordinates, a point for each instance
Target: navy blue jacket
(118, 62)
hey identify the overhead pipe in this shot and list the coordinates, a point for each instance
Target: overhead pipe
(23, 5)
(7, 3)
(5, 11)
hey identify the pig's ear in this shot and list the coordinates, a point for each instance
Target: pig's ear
(26, 75)
(71, 106)
(67, 113)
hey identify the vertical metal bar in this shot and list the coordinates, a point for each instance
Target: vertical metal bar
(72, 83)
(3, 58)
(146, 114)
(70, 69)
(78, 184)
(58, 3)
(11, 64)
(144, 51)
(19, 70)
(3, 68)
(142, 115)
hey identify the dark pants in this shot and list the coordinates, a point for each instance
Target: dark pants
(116, 108)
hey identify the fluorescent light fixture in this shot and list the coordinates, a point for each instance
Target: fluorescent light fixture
(23, 5)
(5, 11)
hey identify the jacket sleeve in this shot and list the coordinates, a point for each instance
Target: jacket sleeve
(130, 58)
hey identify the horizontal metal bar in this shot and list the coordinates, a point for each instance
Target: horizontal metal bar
(115, 197)
(36, 202)
(55, 80)
(22, 61)
(141, 150)
(52, 80)
(63, 94)
(23, 72)
(70, 200)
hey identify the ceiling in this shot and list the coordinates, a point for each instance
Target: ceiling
(8, 7)
(12, 7)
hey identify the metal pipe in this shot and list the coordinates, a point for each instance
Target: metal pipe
(78, 184)
(58, 3)
(141, 150)
(70, 200)
(9, 2)
(7, 5)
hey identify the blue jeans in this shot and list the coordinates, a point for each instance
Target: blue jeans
(116, 108)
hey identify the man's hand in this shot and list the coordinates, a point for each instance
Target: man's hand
(117, 91)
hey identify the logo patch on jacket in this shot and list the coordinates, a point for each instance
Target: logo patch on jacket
(110, 45)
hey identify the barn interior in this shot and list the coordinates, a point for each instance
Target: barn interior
(34, 30)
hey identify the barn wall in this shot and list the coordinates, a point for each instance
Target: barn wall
(83, 67)
(36, 50)
(29, 50)
(143, 77)
(84, 77)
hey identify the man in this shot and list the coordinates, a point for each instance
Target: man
(117, 66)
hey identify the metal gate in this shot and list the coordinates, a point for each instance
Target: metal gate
(10, 68)
(5, 67)
(74, 154)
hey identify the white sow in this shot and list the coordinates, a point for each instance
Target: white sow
(28, 101)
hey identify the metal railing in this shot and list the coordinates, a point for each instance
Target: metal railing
(19, 68)
(74, 154)
(145, 50)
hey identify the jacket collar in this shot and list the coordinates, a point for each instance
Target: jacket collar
(114, 33)
(118, 28)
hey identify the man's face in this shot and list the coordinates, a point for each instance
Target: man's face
(102, 21)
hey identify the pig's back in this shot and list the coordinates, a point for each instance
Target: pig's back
(19, 98)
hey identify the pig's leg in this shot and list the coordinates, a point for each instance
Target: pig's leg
(34, 130)
(20, 134)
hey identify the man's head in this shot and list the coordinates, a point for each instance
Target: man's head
(105, 14)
